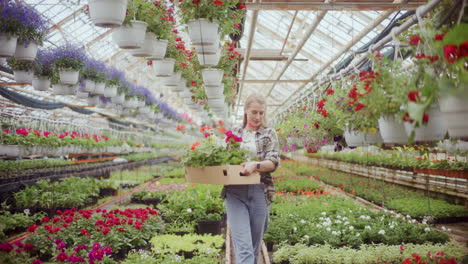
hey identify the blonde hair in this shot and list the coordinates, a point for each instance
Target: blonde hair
(259, 99)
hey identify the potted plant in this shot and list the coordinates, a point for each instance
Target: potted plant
(131, 35)
(22, 70)
(107, 13)
(68, 60)
(94, 76)
(10, 20)
(43, 71)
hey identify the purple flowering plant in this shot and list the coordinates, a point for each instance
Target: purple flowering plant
(43, 64)
(17, 65)
(69, 56)
(114, 77)
(22, 20)
(94, 70)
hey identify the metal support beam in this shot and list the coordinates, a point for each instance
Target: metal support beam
(339, 5)
(100, 37)
(65, 20)
(289, 31)
(275, 81)
(301, 44)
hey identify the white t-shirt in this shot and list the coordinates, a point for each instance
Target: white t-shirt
(248, 143)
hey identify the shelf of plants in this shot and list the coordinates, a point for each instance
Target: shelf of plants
(108, 107)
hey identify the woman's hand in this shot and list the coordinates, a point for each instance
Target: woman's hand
(249, 168)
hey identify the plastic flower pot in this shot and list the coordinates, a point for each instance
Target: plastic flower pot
(148, 47)
(99, 88)
(392, 130)
(68, 76)
(10, 150)
(23, 76)
(7, 45)
(164, 68)
(160, 48)
(107, 13)
(93, 100)
(118, 99)
(212, 77)
(209, 59)
(81, 95)
(216, 103)
(26, 51)
(213, 92)
(144, 110)
(172, 80)
(434, 130)
(63, 89)
(130, 37)
(110, 91)
(208, 49)
(455, 114)
(89, 85)
(209, 227)
(41, 83)
(202, 31)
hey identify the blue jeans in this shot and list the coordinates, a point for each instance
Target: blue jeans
(247, 213)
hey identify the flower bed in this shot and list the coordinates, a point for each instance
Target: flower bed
(73, 230)
(380, 192)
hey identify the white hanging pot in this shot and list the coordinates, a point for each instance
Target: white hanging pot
(212, 77)
(209, 59)
(93, 100)
(26, 52)
(173, 80)
(64, 89)
(99, 88)
(160, 48)
(181, 87)
(118, 99)
(434, 130)
(23, 76)
(392, 130)
(202, 31)
(354, 138)
(130, 37)
(164, 68)
(110, 92)
(7, 45)
(69, 76)
(148, 46)
(41, 83)
(107, 13)
(89, 85)
(455, 113)
(216, 103)
(81, 95)
(213, 92)
(208, 49)
(141, 103)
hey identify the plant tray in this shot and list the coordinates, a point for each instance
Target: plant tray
(226, 175)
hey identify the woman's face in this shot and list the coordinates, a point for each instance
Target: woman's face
(255, 114)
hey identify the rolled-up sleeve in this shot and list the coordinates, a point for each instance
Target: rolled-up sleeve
(272, 148)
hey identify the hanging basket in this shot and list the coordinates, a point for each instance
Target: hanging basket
(64, 89)
(208, 49)
(455, 113)
(99, 88)
(7, 45)
(359, 139)
(89, 85)
(434, 130)
(26, 52)
(216, 103)
(392, 130)
(172, 80)
(203, 32)
(118, 99)
(81, 95)
(69, 76)
(159, 51)
(93, 100)
(212, 77)
(213, 92)
(41, 83)
(164, 68)
(130, 37)
(107, 13)
(148, 47)
(110, 92)
(23, 76)
(209, 59)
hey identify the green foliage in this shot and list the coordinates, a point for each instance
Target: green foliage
(17, 65)
(200, 245)
(366, 254)
(152, 14)
(9, 165)
(18, 221)
(211, 154)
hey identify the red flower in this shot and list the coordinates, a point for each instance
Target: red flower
(196, 2)
(175, 31)
(126, 12)
(207, 135)
(324, 113)
(413, 96)
(85, 232)
(193, 147)
(425, 118)
(330, 91)
(414, 40)
(218, 2)
(62, 257)
(317, 125)
(32, 228)
(37, 261)
(106, 230)
(237, 25)
(359, 107)
(121, 229)
(321, 104)
(451, 53)
(45, 219)
(242, 7)
(6, 131)
(178, 39)
(194, 83)
(6, 247)
(439, 37)
(149, 63)
(183, 64)
(353, 93)
(463, 52)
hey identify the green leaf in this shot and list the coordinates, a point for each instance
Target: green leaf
(457, 35)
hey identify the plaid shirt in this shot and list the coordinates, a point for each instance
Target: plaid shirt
(267, 149)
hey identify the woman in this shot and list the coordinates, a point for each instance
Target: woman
(248, 206)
